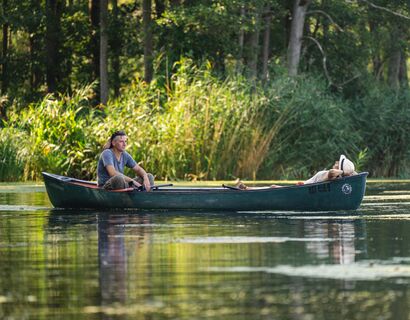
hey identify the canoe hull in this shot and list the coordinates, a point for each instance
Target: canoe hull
(341, 194)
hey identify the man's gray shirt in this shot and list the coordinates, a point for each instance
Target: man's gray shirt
(108, 158)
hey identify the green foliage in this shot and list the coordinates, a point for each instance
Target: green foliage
(199, 127)
(316, 132)
(55, 136)
(356, 39)
(382, 118)
(11, 165)
(209, 129)
(205, 129)
(203, 30)
(188, 123)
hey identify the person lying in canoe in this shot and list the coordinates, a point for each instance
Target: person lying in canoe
(110, 169)
(342, 168)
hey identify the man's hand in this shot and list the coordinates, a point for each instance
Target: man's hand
(135, 184)
(147, 184)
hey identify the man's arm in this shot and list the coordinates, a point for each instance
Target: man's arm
(334, 173)
(143, 174)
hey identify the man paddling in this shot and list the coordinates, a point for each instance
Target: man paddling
(113, 159)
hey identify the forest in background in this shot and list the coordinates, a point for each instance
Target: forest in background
(206, 89)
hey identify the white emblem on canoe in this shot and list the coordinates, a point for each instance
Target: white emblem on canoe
(347, 188)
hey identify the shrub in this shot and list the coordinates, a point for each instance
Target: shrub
(382, 118)
(55, 135)
(196, 126)
(317, 129)
(11, 164)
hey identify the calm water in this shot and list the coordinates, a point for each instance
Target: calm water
(208, 265)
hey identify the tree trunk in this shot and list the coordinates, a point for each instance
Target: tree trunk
(36, 77)
(296, 34)
(4, 75)
(403, 75)
(394, 68)
(395, 57)
(376, 58)
(253, 54)
(146, 14)
(103, 52)
(95, 40)
(266, 43)
(241, 41)
(68, 54)
(116, 49)
(36, 69)
(53, 13)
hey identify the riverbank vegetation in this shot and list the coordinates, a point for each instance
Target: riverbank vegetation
(205, 89)
(202, 127)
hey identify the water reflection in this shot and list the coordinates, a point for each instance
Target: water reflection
(152, 259)
(204, 265)
(342, 249)
(113, 252)
(112, 260)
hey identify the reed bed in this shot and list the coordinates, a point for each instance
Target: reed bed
(195, 126)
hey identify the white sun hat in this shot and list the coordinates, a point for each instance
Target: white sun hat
(346, 165)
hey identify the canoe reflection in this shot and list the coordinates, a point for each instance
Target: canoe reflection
(155, 258)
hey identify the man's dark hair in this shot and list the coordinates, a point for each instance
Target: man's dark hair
(118, 133)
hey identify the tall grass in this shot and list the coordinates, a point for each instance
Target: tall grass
(55, 136)
(384, 120)
(206, 129)
(11, 164)
(318, 129)
(196, 126)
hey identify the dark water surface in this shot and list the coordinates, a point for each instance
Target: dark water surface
(58, 264)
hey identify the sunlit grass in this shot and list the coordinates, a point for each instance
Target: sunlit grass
(199, 127)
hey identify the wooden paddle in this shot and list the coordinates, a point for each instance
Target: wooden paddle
(229, 187)
(154, 187)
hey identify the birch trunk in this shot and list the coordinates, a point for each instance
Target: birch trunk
(4, 75)
(296, 34)
(103, 52)
(395, 56)
(253, 54)
(266, 43)
(116, 49)
(146, 15)
(95, 37)
(241, 41)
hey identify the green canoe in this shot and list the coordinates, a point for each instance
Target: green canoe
(340, 194)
